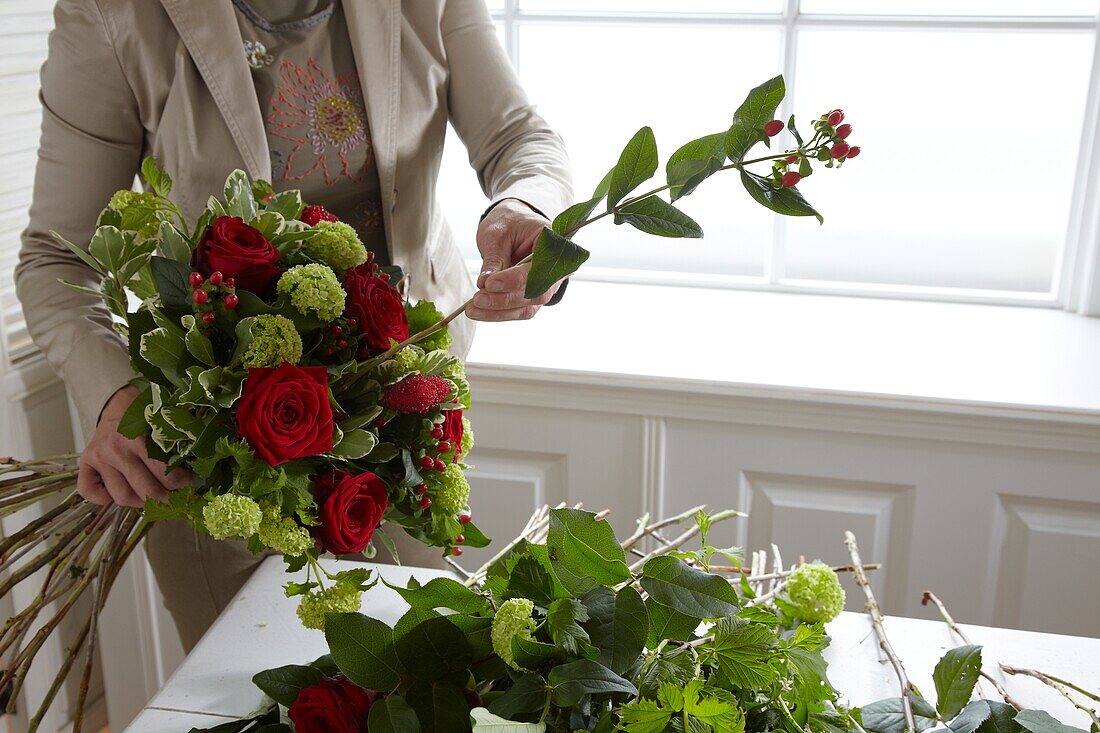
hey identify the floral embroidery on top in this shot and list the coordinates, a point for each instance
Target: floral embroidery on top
(257, 54)
(323, 118)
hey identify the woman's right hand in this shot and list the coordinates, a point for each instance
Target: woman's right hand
(116, 469)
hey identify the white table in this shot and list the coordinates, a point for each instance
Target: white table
(259, 630)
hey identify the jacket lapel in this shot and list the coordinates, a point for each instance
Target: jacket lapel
(375, 30)
(210, 33)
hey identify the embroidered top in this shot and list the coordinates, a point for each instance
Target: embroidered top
(314, 112)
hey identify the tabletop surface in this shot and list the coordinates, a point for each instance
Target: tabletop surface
(259, 630)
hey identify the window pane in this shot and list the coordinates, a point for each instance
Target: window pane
(655, 6)
(952, 7)
(965, 178)
(597, 109)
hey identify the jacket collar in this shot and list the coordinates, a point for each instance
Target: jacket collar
(209, 31)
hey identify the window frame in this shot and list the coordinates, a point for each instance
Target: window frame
(1075, 283)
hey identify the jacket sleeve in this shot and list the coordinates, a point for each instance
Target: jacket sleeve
(90, 147)
(512, 148)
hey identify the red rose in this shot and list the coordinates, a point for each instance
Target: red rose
(333, 705)
(236, 250)
(453, 430)
(350, 508)
(284, 413)
(379, 309)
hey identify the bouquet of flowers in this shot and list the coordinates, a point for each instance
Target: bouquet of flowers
(317, 407)
(570, 629)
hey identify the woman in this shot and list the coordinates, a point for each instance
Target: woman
(348, 101)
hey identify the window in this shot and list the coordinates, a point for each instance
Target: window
(24, 27)
(973, 116)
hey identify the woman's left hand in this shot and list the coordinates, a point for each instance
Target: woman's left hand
(504, 237)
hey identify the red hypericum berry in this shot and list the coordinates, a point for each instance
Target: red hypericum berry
(336, 330)
(268, 197)
(440, 465)
(379, 422)
(315, 213)
(456, 551)
(853, 152)
(460, 539)
(427, 462)
(836, 117)
(216, 278)
(416, 394)
(230, 301)
(773, 128)
(844, 131)
(200, 296)
(464, 518)
(329, 351)
(443, 446)
(230, 282)
(422, 489)
(437, 432)
(342, 344)
(385, 277)
(791, 178)
(353, 324)
(425, 503)
(792, 158)
(196, 279)
(840, 150)
(208, 317)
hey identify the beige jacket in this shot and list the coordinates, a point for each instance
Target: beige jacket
(130, 78)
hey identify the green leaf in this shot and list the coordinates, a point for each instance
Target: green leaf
(888, 716)
(355, 444)
(156, 177)
(955, 676)
(742, 652)
(526, 695)
(441, 707)
(554, 258)
(133, 424)
(1039, 721)
(645, 716)
(748, 121)
(785, 201)
(530, 578)
(971, 718)
(562, 619)
(1002, 719)
(442, 593)
(567, 221)
(571, 682)
(584, 551)
(392, 715)
(673, 583)
(173, 245)
(108, 246)
(618, 625)
(171, 278)
(654, 215)
(82, 253)
(433, 648)
(164, 349)
(283, 684)
(694, 162)
(486, 722)
(667, 623)
(288, 204)
(363, 649)
(197, 342)
(238, 196)
(637, 164)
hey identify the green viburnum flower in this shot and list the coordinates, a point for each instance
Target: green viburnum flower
(283, 534)
(467, 436)
(453, 490)
(126, 199)
(339, 598)
(408, 359)
(274, 340)
(424, 315)
(313, 290)
(231, 515)
(336, 244)
(815, 593)
(513, 621)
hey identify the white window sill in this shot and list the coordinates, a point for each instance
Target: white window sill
(1027, 361)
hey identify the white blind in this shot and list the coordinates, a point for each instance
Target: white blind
(24, 27)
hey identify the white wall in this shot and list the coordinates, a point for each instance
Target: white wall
(995, 511)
